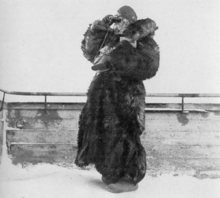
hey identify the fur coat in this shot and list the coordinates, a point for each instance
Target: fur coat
(113, 117)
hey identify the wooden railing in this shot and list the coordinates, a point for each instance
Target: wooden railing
(45, 94)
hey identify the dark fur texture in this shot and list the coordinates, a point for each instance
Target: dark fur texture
(94, 39)
(113, 117)
(141, 26)
(134, 32)
(110, 127)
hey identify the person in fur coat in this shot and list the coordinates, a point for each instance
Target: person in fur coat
(113, 118)
(132, 33)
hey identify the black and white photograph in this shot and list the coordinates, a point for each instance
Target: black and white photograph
(109, 99)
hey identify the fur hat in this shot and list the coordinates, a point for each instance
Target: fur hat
(128, 13)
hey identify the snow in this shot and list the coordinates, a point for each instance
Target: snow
(52, 181)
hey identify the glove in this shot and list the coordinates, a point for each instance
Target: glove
(100, 66)
(108, 19)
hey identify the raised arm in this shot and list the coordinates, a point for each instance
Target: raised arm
(141, 63)
(96, 34)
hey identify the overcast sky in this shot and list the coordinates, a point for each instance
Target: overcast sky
(40, 44)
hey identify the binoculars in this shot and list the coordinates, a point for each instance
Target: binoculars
(115, 19)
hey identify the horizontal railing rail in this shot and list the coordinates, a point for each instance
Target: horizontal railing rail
(45, 94)
(189, 95)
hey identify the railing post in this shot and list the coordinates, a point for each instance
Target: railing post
(182, 104)
(3, 100)
(183, 110)
(45, 103)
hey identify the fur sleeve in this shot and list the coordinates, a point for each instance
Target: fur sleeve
(139, 63)
(93, 38)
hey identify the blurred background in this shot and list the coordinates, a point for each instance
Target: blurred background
(40, 45)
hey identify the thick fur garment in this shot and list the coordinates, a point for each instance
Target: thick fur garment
(140, 63)
(113, 117)
(110, 127)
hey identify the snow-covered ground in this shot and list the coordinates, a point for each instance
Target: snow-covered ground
(52, 181)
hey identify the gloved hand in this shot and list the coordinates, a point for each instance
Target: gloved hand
(107, 20)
